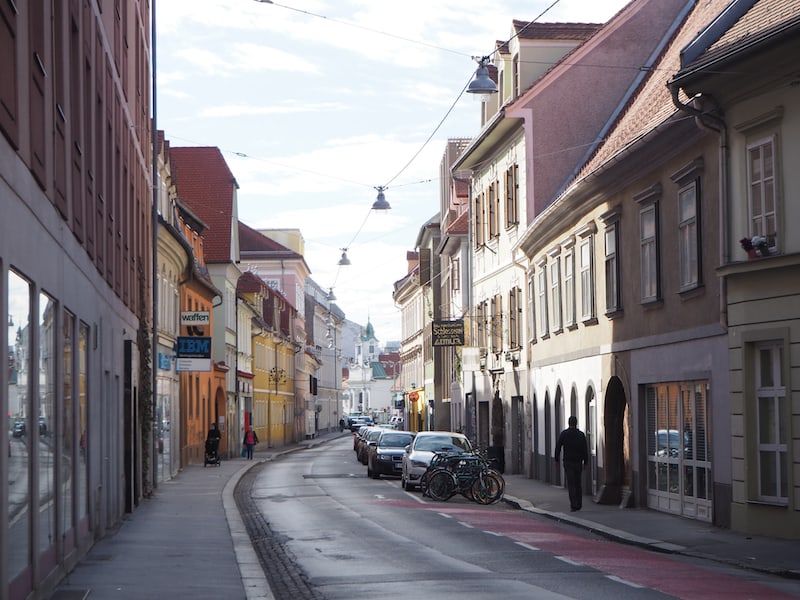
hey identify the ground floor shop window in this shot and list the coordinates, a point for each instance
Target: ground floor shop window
(678, 448)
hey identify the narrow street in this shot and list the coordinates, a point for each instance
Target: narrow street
(330, 532)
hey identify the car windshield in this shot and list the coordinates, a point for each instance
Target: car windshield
(395, 440)
(439, 443)
(373, 435)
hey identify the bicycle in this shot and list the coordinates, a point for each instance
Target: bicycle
(469, 474)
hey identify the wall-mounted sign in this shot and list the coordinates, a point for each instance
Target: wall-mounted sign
(193, 353)
(196, 317)
(448, 333)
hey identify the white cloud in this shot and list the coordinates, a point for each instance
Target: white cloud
(311, 114)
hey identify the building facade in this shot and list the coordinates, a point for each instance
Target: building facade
(75, 283)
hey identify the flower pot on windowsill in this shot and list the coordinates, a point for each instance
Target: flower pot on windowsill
(753, 253)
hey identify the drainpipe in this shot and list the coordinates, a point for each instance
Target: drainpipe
(715, 124)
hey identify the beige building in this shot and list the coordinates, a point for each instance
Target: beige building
(745, 73)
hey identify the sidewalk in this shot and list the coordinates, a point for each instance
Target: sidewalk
(188, 541)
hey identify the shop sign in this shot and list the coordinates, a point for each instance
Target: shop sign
(448, 333)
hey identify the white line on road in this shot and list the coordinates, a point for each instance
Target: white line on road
(528, 546)
(569, 561)
(493, 533)
(467, 525)
(624, 581)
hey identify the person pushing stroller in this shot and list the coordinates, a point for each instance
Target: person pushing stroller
(212, 445)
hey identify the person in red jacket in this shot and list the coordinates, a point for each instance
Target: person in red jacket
(249, 442)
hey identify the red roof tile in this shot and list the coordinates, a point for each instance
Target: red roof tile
(206, 185)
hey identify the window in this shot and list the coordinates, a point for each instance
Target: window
(771, 424)
(613, 301)
(688, 236)
(479, 232)
(587, 279)
(531, 308)
(455, 274)
(512, 196)
(648, 231)
(480, 324)
(762, 189)
(555, 293)
(544, 327)
(569, 289)
(514, 318)
(497, 323)
(492, 205)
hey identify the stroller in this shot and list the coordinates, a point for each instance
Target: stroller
(212, 452)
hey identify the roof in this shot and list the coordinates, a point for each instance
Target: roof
(206, 185)
(529, 30)
(256, 244)
(652, 104)
(743, 24)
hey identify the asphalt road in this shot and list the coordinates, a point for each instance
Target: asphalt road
(326, 531)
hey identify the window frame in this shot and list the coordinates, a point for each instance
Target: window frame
(568, 277)
(556, 295)
(544, 319)
(762, 228)
(776, 394)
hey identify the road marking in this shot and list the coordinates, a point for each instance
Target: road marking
(624, 581)
(445, 515)
(467, 525)
(493, 533)
(528, 546)
(569, 561)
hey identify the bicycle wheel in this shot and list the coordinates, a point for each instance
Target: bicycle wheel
(441, 485)
(488, 488)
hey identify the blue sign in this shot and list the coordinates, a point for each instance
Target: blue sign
(164, 362)
(194, 347)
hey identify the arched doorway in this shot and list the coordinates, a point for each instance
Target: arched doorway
(591, 440)
(616, 464)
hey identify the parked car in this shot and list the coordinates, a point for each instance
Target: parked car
(417, 456)
(19, 429)
(385, 456)
(370, 436)
(358, 421)
(357, 435)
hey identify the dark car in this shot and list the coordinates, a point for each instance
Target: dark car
(370, 436)
(385, 456)
(358, 435)
(19, 429)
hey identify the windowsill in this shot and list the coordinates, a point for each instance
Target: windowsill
(614, 314)
(692, 292)
(558, 331)
(588, 322)
(769, 504)
(775, 261)
(572, 327)
(652, 304)
(545, 336)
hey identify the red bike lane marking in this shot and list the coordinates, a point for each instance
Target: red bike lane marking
(636, 565)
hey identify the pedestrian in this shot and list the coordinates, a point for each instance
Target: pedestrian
(250, 440)
(341, 424)
(576, 457)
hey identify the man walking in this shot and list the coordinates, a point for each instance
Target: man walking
(576, 457)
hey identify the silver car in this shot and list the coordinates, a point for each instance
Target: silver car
(418, 454)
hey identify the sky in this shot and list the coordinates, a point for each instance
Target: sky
(316, 103)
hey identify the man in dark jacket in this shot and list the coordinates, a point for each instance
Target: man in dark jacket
(576, 457)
